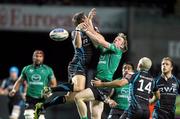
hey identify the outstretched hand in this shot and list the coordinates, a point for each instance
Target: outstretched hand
(92, 13)
(83, 26)
(112, 103)
(12, 93)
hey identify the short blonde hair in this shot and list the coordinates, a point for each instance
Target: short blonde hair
(122, 35)
(145, 63)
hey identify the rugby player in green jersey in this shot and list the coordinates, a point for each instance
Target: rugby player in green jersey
(110, 57)
(37, 76)
(121, 94)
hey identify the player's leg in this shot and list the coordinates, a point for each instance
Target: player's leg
(79, 82)
(78, 85)
(29, 114)
(15, 112)
(97, 108)
(80, 99)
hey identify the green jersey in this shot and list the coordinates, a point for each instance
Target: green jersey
(121, 96)
(37, 78)
(108, 62)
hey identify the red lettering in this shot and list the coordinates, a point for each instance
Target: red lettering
(27, 20)
(3, 17)
(14, 16)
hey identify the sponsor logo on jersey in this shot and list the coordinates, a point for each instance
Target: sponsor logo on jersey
(168, 89)
(36, 77)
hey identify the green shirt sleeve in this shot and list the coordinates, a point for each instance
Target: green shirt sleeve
(51, 74)
(23, 74)
(111, 47)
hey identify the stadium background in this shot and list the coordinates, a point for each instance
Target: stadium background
(152, 27)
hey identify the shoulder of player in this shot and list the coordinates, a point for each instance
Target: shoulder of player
(27, 67)
(46, 66)
(117, 50)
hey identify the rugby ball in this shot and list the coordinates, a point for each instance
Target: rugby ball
(59, 34)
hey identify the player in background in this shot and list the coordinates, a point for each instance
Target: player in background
(15, 103)
(121, 94)
(141, 87)
(168, 87)
(110, 57)
(37, 76)
(77, 67)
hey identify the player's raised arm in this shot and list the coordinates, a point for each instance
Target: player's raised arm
(93, 35)
(91, 15)
(114, 83)
(77, 39)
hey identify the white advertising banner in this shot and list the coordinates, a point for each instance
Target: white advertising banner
(45, 18)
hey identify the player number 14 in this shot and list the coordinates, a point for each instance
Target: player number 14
(146, 87)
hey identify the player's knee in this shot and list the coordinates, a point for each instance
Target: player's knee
(96, 115)
(77, 98)
(29, 114)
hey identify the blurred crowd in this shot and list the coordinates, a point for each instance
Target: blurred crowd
(167, 6)
(159, 3)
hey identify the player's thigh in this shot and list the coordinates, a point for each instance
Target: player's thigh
(85, 95)
(79, 82)
(97, 108)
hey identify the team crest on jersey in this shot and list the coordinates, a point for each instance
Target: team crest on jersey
(36, 77)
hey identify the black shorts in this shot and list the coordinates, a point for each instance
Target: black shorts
(101, 93)
(163, 114)
(16, 100)
(31, 102)
(138, 114)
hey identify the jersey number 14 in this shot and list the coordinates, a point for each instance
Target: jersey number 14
(144, 87)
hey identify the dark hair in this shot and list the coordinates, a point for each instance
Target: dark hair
(38, 52)
(78, 18)
(169, 59)
(128, 63)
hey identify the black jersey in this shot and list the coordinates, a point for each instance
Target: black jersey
(168, 92)
(77, 65)
(89, 49)
(141, 87)
(8, 84)
(17, 98)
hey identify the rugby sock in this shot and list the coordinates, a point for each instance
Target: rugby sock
(63, 87)
(57, 100)
(84, 118)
